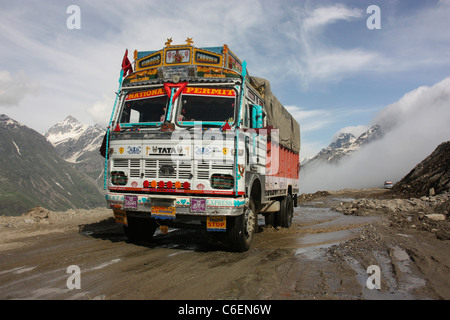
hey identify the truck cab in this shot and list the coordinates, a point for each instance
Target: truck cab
(189, 146)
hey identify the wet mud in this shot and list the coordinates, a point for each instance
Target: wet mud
(324, 255)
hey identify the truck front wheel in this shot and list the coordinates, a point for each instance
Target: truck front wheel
(242, 229)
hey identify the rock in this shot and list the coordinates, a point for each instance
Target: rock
(435, 216)
(36, 214)
(431, 192)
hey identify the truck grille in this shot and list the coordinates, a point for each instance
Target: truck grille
(156, 168)
(151, 169)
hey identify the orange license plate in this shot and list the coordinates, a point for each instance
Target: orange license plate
(163, 212)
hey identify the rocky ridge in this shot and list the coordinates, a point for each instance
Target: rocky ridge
(344, 145)
(429, 177)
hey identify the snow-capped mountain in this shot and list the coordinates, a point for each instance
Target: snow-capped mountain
(73, 139)
(33, 173)
(69, 128)
(344, 145)
(79, 144)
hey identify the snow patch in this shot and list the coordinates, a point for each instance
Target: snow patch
(58, 184)
(17, 148)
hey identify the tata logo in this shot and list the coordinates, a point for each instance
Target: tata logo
(166, 170)
(164, 150)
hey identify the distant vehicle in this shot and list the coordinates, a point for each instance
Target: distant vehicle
(388, 185)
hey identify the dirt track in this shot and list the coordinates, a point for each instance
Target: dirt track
(324, 255)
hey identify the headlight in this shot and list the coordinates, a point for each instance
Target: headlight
(222, 181)
(119, 178)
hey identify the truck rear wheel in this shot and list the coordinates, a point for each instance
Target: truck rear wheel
(140, 229)
(242, 229)
(286, 212)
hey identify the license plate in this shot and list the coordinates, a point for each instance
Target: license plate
(216, 223)
(121, 217)
(163, 212)
(198, 205)
(131, 202)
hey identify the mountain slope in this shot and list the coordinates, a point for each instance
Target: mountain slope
(79, 144)
(32, 173)
(344, 145)
(433, 172)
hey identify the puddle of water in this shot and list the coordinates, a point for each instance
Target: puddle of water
(400, 254)
(409, 281)
(344, 199)
(314, 252)
(326, 218)
(327, 237)
(319, 228)
(307, 215)
(314, 228)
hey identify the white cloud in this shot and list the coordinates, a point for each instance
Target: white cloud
(322, 16)
(101, 110)
(14, 88)
(311, 120)
(414, 126)
(78, 68)
(319, 61)
(326, 64)
(412, 42)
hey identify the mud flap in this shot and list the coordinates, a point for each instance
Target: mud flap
(121, 217)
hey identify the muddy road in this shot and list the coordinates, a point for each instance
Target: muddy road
(324, 255)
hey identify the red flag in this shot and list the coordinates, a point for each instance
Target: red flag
(226, 126)
(126, 65)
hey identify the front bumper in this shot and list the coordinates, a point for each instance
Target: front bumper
(215, 206)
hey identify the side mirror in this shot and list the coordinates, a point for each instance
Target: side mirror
(257, 116)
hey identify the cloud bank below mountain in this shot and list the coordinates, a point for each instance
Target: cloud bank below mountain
(413, 127)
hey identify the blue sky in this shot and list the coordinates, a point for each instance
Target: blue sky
(324, 64)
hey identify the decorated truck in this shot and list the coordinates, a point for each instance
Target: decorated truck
(194, 141)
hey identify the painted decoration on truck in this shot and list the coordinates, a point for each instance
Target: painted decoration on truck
(222, 92)
(141, 76)
(233, 62)
(146, 94)
(154, 60)
(213, 72)
(204, 57)
(177, 56)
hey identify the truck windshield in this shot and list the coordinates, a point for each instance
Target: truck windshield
(208, 105)
(150, 110)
